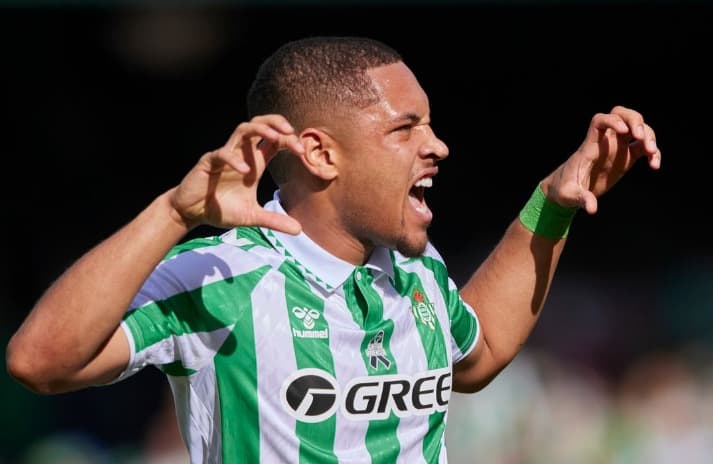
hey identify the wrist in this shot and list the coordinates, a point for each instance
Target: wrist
(176, 218)
(544, 217)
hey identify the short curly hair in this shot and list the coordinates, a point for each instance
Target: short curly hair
(306, 78)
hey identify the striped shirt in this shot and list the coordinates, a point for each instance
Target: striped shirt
(278, 352)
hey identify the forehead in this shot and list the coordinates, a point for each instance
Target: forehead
(399, 91)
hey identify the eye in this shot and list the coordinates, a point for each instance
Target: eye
(405, 127)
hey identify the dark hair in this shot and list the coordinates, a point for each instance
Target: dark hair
(317, 71)
(305, 78)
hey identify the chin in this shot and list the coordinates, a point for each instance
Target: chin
(412, 248)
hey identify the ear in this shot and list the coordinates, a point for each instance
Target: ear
(319, 155)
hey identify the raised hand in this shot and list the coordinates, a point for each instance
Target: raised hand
(613, 143)
(221, 189)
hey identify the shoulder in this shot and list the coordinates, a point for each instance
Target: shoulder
(238, 248)
(208, 261)
(244, 238)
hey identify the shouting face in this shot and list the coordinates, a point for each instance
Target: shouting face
(388, 159)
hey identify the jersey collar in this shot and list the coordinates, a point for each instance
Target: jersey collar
(322, 265)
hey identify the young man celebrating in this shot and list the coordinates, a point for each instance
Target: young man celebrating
(323, 325)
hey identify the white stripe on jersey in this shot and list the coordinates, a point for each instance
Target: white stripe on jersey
(200, 423)
(275, 357)
(349, 439)
(443, 457)
(195, 350)
(457, 352)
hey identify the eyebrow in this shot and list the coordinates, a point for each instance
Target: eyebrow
(412, 117)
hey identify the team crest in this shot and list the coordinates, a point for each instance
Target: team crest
(423, 310)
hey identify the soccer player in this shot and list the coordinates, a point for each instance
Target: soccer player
(321, 326)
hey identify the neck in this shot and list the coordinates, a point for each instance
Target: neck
(320, 222)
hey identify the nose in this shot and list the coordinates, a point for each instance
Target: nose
(433, 146)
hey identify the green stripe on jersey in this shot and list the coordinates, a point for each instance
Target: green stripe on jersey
(367, 310)
(236, 370)
(251, 237)
(409, 284)
(463, 327)
(306, 313)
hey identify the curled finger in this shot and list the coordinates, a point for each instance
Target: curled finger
(601, 122)
(651, 148)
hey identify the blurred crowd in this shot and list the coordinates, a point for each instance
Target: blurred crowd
(541, 410)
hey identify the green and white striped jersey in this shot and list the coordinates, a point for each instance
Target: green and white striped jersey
(278, 352)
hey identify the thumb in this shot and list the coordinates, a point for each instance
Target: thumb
(588, 201)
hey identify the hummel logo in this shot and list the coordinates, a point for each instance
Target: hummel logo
(307, 315)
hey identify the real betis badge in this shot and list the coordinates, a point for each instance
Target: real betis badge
(376, 353)
(423, 310)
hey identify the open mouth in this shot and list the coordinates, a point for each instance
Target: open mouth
(417, 194)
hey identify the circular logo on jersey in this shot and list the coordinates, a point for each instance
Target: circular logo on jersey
(310, 395)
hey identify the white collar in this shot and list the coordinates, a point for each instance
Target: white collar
(317, 261)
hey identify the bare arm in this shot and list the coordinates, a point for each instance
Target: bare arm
(58, 346)
(71, 338)
(509, 289)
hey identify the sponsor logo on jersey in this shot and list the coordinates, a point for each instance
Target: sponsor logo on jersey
(313, 395)
(376, 353)
(310, 395)
(423, 310)
(308, 317)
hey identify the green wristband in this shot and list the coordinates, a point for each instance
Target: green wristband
(546, 218)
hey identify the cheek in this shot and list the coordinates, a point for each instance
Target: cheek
(382, 179)
(391, 183)
(379, 198)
